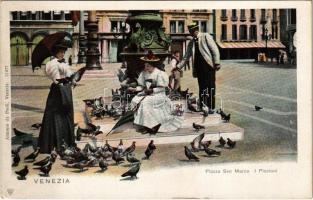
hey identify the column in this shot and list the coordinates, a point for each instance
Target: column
(82, 40)
(105, 51)
(93, 54)
(62, 15)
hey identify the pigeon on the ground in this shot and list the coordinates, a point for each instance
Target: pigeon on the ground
(78, 134)
(205, 109)
(45, 169)
(89, 102)
(117, 158)
(191, 107)
(19, 133)
(80, 165)
(36, 125)
(131, 159)
(231, 143)
(195, 144)
(22, 173)
(257, 108)
(132, 172)
(227, 118)
(32, 156)
(50, 158)
(197, 127)
(190, 155)
(16, 160)
(16, 150)
(222, 142)
(120, 146)
(153, 130)
(130, 149)
(211, 152)
(150, 149)
(103, 165)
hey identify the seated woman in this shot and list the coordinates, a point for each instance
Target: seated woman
(153, 106)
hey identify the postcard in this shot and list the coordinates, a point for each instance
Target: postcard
(156, 99)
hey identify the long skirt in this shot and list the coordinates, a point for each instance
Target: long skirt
(58, 120)
(156, 109)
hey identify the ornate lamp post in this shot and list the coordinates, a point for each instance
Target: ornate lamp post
(267, 37)
(93, 53)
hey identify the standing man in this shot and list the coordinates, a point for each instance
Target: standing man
(206, 63)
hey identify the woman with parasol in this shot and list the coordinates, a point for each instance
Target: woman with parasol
(58, 120)
(153, 106)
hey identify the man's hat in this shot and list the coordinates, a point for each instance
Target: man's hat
(150, 57)
(192, 26)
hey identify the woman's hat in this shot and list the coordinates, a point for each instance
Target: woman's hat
(150, 57)
(192, 26)
(63, 44)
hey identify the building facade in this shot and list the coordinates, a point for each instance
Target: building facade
(288, 28)
(112, 29)
(244, 33)
(175, 23)
(28, 28)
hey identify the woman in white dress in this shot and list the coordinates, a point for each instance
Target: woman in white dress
(58, 120)
(153, 106)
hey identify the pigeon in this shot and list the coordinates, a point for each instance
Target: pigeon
(223, 115)
(231, 143)
(16, 160)
(120, 146)
(78, 134)
(15, 151)
(32, 156)
(93, 127)
(110, 148)
(222, 142)
(195, 144)
(149, 151)
(130, 149)
(184, 92)
(211, 152)
(50, 158)
(36, 125)
(257, 108)
(74, 78)
(132, 172)
(45, 169)
(117, 157)
(190, 155)
(197, 127)
(131, 159)
(80, 165)
(154, 130)
(97, 133)
(227, 118)
(191, 107)
(22, 173)
(103, 165)
(19, 133)
(89, 102)
(205, 110)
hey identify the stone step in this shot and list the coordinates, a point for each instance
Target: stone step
(184, 135)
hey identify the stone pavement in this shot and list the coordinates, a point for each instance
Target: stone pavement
(270, 134)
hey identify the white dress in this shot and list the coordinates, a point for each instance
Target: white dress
(155, 108)
(56, 70)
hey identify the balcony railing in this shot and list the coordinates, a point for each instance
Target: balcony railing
(243, 18)
(224, 18)
(234, 18)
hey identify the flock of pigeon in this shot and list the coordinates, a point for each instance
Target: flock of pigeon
(93, 156)
(89, 156)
